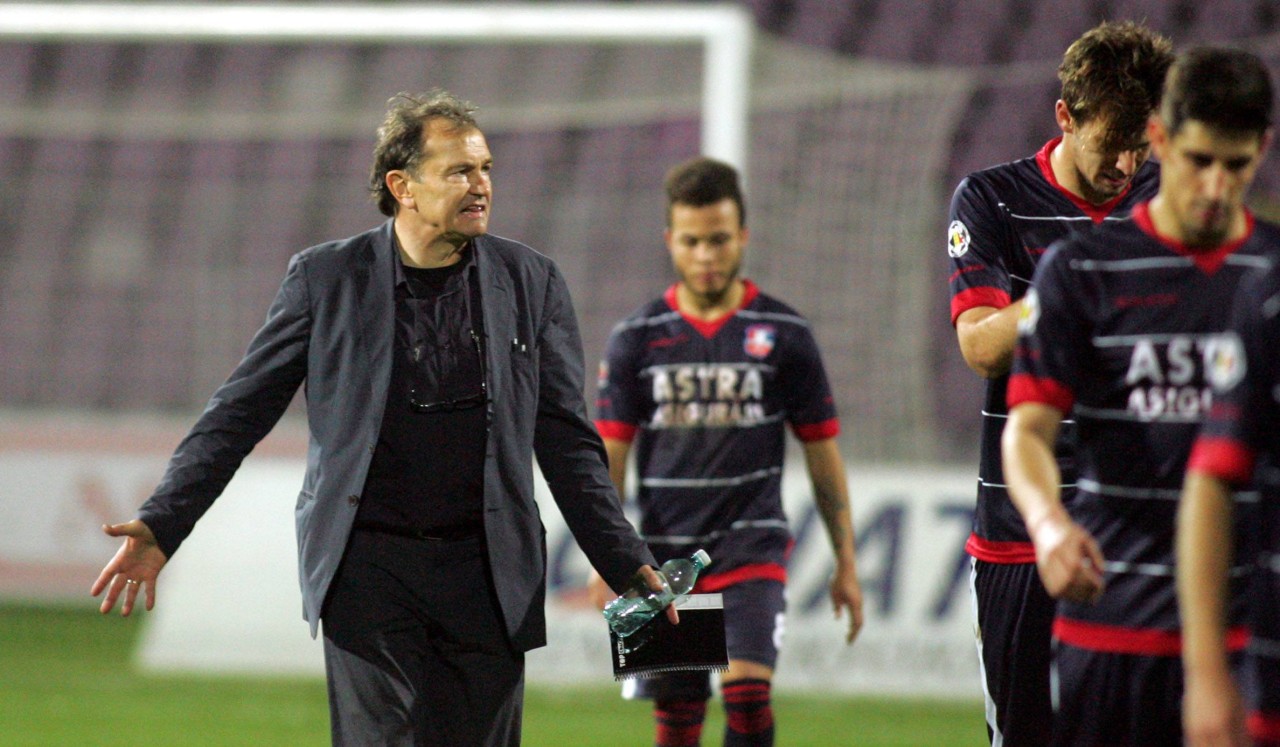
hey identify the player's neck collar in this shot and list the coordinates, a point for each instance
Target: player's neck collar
(1096, 213)
(709, 327)
(1208, 260)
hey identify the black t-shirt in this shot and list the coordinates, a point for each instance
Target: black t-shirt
(427, 472)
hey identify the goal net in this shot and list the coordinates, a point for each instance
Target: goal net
(155, 184)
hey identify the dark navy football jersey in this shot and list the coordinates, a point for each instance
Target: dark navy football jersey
(1124, 330)
(706, 405)
(1240, 443)
(1002, 221)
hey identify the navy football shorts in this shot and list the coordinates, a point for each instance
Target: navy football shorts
(753, 624)
(1014, 633)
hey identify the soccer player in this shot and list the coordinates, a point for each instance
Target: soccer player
(1238, 440)
(704, 381)
(1002, 220)
(1125, 328)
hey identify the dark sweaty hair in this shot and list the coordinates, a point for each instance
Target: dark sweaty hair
(704, 181)
(1115, 73)
(1228, 90)
(400, 144)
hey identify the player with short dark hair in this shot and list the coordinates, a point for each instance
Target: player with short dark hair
(1124, 329)
(1238, 444)
(704, 381)
(1002, 220)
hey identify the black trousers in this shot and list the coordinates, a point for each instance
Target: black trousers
(415, 647)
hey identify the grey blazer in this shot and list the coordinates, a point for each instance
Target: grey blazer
(331, 327)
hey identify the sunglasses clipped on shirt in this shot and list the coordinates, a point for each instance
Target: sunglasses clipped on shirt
(460, 403)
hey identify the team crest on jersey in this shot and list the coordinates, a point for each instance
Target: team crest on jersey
(759, 340)
(1225, 361)
(1029, 314)
(957, 239)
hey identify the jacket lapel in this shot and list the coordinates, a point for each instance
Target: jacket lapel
(374, 284)
(495, 301)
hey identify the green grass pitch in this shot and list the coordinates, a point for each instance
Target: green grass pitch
(66, 679)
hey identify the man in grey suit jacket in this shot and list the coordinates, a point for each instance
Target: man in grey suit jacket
(437, 361)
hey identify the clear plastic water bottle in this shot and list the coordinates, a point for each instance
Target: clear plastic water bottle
(628, 613)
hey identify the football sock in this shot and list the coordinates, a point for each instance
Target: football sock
(748, 714)
(679, 722)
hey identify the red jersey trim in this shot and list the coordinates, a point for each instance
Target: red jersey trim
(1096, 213)
(709, 327)
(1141, 641)
(1224, 458)
(809, 432)
(1027, 388)
(1008, 553)
(1207, 260)
(1264, 727)
(973, 298)
(616, 430)
(755, 572)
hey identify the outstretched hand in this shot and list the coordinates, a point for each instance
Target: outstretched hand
(135, 566)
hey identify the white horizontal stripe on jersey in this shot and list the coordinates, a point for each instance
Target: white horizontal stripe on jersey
(986, 484)
(773, 316)
(1152, 494)
(1116, 341)
(1158, 569)
(1250, 260)
(679, 539)
(1109, 414)
(710, 482)
(1267, 648)
(1155, 263)
(1075, 218)
(648, 321)
(1003, 416)
(766, 420)
(1129, 265)
(741, 366)
(1271, 307)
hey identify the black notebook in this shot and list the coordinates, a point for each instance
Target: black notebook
(696, 643)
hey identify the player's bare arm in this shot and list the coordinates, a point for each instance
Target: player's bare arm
(135, 566)
(988, 337)
(1213, 712)
(1068, 558)
(831, 492)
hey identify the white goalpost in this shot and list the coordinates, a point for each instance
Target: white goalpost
(210, 141)
(724, 31)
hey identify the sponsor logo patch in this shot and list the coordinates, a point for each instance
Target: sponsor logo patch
(1029, 314)
(957, 239)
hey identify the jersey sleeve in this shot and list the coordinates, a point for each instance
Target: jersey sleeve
(618, 401)
(1243, 379)
(810, 405)
(975, 237)
(1053, 334)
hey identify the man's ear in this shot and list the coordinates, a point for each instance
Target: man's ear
(1158, 136)
(1062, 115)
(397, 182)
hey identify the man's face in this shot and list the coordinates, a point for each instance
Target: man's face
(451, 187)
(1204, 175)
(1105, 161)
(706, 246)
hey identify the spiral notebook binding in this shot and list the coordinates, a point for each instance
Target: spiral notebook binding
(696, 644)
